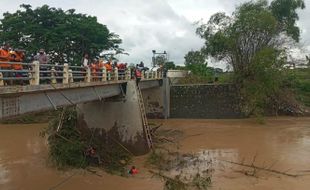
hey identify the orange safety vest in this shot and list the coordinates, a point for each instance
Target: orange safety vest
(93, 68)
(133, 171)
(101, 64)
(4, 57)
(108, 67)
(16, 57)
(138, 73)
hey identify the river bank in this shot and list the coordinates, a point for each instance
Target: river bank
(284, 141)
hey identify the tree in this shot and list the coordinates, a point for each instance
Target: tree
(195, 57)
(170, 65)
(65, 35)
(252, 41)
(160, 60)
(196, 62)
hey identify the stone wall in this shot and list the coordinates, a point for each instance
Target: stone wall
(204, 101)
(153, 102)
(156, 101)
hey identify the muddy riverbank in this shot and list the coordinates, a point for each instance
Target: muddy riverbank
(282, 142)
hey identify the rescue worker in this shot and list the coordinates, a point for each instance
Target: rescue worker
(108, 67)
(122, 69)
(4, 59)
(94, 66)
(138, 75)
(17, 56)
(101, 63)
(91, 156)
(5, 55)
(133, 170)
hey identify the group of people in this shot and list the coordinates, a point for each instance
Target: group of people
(11, 60)
(96, 66)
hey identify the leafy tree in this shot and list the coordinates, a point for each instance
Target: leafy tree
(195, 57)
(160, 60)
(65, 35)
(170, 65)
(285, 13)
(252, 41)
(196, 62)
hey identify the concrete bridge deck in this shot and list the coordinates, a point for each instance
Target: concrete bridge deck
(62, 85)
(17, 100)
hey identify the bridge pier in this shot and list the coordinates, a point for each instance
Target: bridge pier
(118, 118)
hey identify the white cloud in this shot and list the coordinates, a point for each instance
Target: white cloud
(147, 25)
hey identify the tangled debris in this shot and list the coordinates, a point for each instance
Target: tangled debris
(68, 146)
(178, 171)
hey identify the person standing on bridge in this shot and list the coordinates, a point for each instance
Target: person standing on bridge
(43, 61)
(4, 59)
(85, 60)
(138, 75)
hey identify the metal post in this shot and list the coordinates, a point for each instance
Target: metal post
(65, 79)
(104, 74)
(35, 75)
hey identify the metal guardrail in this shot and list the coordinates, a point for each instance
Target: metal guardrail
(37, 74)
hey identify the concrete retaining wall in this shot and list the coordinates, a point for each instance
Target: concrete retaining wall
(204, 101)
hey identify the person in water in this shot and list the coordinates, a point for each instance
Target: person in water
(133, 170)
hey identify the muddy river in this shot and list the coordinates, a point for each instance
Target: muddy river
(281, 144)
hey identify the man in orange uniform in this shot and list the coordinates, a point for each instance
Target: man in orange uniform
(108, 67)
(94, 67)
(17, 56)
(5, 56)
(4, 59)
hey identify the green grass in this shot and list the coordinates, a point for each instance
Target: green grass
(302, 87)
(226, 77)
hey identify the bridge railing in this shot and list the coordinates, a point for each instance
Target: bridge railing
(17, 73)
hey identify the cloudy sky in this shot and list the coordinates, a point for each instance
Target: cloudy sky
(158, 24)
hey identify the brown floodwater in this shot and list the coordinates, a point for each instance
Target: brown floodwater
(283, 143)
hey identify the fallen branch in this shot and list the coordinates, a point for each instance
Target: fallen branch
(261, 168)
(61, 120)
(166, 178)
(165, 139)
(93, 172)
(153, 130)
(194, 135)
